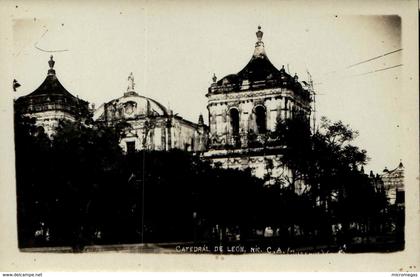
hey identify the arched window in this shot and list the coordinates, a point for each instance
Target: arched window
(234, 121)
(260, 119)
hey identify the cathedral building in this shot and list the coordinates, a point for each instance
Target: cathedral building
(243, 110)
(151, 125)
(51, 102)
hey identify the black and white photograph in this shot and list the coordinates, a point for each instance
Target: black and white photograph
(199, 130)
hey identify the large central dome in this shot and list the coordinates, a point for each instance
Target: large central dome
(130, 106)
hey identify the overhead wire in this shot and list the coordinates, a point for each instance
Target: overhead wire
(374, 58)
(362, 62)
(365, 61)
(377, 70)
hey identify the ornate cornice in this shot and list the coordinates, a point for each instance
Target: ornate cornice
(265, 94)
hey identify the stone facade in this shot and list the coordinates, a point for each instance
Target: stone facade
(51, 102)
(151, 126)
(393, 181)
(245, 107)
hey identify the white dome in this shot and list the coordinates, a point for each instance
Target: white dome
(129, 106)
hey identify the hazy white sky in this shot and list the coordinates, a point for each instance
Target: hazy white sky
(174, 48)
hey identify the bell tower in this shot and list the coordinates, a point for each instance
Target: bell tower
(244, 108)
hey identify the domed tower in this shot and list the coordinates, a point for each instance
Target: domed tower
(150, 125)
(51, 102)
(245, 107)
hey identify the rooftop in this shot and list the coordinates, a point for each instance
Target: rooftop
(50, 95)
(258, 74)
(51, 84)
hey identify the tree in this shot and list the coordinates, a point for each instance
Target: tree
(80, 188)
(86, 173)
(62, 180)
(295, 135)
(328, 165)
(32, 150)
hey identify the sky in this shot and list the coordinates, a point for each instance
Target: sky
(173, 49)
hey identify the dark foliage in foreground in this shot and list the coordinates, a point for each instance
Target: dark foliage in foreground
(79, 188)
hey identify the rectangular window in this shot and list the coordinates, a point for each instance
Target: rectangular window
(131, 147)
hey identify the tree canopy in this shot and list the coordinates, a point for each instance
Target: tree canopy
(78, 188)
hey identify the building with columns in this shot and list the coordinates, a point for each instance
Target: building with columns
(51, 102)
(244, 108)
(151, 125)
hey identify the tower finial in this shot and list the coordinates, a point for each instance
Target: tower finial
(259, 33)
(200, 119)
(259, 51)
(51, 63)
(214, 78)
